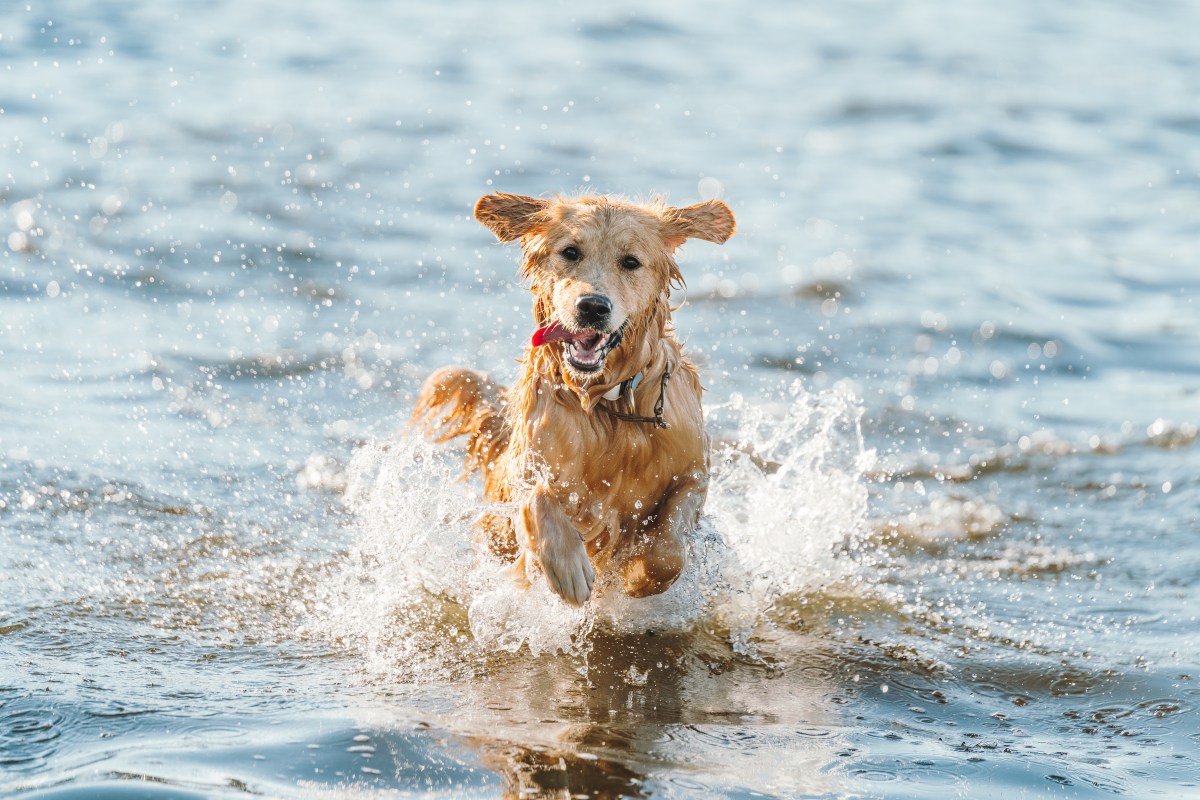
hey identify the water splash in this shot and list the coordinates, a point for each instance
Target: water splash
(419, 596)
(787, 493)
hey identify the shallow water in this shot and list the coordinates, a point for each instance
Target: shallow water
(952, 367)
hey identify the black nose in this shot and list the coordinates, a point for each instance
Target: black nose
(593, 307)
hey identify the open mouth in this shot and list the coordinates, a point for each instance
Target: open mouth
(585, 349)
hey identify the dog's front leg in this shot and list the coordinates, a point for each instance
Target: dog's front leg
(657, 553)
(559, 548)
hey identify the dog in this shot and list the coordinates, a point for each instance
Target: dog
(599, 446)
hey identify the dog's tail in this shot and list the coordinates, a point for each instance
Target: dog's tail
(456, 401)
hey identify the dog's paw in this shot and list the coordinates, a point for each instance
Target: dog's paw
(516, 571)
(568, 570)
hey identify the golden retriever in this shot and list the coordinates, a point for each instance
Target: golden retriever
(599, 447)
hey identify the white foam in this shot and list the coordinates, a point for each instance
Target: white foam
(787, 493)
(418, 595)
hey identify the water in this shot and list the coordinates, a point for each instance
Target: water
(951, 361)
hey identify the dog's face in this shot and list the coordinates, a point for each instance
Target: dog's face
(598, 265)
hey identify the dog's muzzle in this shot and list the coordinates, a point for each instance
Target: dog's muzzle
(585, 349)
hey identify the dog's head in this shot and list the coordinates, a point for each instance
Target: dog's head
(600, 268)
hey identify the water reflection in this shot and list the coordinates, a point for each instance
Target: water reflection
(651, 711)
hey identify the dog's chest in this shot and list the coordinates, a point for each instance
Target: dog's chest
(626, 466)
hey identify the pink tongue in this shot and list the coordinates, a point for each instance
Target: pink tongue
(551, 333)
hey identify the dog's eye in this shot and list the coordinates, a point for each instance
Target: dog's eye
(630, 262)
(570, 253)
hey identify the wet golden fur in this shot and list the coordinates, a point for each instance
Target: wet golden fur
(589, 491)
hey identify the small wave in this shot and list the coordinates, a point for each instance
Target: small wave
(1171, 437)
(55, 492)
(1039, 450)
(1018, 559)
(943, 520)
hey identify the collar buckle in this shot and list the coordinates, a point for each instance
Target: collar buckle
(623, 388)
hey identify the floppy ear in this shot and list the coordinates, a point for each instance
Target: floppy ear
(711, 221)
(510, 216)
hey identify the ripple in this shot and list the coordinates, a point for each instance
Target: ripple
(114, 709)
(29, 734)
(131, 789)
(935, 772)
(1144, 718)
(813, 733)
(725, 738)
(875, 774)
(694, 786)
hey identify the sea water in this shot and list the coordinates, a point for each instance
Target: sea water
(950, 547)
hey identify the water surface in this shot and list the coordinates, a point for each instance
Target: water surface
(952, 368)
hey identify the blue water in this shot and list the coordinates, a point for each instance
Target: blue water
(952, 360)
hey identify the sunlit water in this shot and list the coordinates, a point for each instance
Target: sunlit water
(952, 359)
